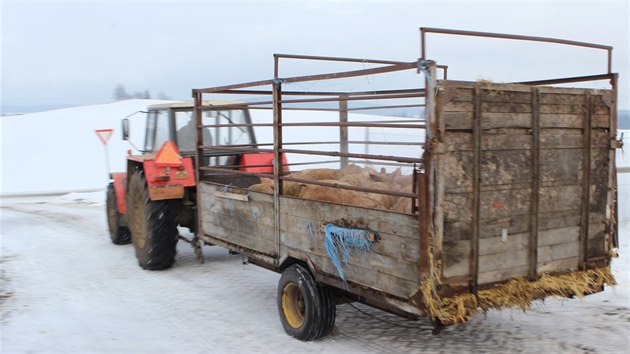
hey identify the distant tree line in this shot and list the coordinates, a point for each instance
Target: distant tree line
(120, 93)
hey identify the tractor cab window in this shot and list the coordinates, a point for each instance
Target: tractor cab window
(186, 133)
(230, 133)
(157, 130)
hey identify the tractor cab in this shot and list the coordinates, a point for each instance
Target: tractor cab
(176, 122)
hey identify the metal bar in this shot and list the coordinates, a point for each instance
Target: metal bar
(229, 149)
(232, 87)
(355, 124)
(198, 97)
(285, 164)
(362, 142)
(324, 58)
(356, 98)
(613, 159)
(321, 93)
(380, 163)
(225, 171)
(534, 214)
(353, 73)
(567, 80)
(424, 220)
(237, 125)
(344, 186)
(586, 182)
(358, 156)
(343, 130)
(277, 166)
(424, 30)
(474, 240)
(387, 107)
(513, 36)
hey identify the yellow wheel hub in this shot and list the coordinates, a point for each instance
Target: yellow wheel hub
(293, 305)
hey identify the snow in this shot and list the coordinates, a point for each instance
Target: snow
(64, 287)
(58, 151)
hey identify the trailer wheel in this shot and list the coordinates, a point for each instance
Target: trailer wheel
(307, 310)
(153, 225)
(120, 235)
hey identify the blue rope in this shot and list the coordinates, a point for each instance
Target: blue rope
(339, 239)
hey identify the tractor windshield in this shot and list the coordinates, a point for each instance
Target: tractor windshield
(157, 130)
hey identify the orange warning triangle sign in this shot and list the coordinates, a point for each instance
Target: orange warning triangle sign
(168, 155)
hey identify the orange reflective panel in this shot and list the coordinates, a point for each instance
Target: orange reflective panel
(168, 155)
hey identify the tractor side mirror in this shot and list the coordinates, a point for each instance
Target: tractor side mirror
(125, 129)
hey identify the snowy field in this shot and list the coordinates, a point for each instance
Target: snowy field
(64, 287)
(67, 288)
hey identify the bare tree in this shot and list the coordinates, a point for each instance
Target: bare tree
(120, 93)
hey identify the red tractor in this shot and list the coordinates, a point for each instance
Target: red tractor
(158, 192)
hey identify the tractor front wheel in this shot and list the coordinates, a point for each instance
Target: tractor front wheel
(119, 234)
(153, 225)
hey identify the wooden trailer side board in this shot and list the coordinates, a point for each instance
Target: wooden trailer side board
(525, 176)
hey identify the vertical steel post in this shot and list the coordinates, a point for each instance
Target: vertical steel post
(474, 241)
(586, 182)
(277, 162)
(198, 160)
(534, 207)
(343, 130)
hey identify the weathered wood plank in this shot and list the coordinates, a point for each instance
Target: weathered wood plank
(367, 276)
(455, 106)
(556, 219)
(401, 225)
(503, 260)
(502, 274)
(558, 251)
(388, 245)
(505, 120)
(561, 235)
(560, 198)
(501, 96)
(457, 120)
(559, 266)
(506, 107)
(375, 259)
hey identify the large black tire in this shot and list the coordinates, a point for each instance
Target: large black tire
(307, 310)
(153, 225)
(119, 234)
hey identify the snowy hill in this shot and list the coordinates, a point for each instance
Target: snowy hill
(59, 151)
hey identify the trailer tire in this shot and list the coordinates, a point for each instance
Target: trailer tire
(120, 235)
(306, 309)
(153, 225)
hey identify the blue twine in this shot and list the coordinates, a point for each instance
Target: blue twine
(344, 240)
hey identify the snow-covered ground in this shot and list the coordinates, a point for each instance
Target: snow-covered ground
(59, 151)
(64, 287)
(67, 288)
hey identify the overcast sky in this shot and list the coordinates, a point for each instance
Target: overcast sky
(76, 52)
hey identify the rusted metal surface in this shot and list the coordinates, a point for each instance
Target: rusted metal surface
(424, 30)
(358, 156)
(534, 212)
(586, 182)
(476, 188)
(343, 130)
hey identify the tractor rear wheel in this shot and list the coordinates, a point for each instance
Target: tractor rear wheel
(153, 225)
(119, 234)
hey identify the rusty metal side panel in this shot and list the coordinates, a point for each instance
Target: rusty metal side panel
(526, 176)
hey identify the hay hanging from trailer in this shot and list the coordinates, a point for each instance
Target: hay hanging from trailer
(519, 293)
